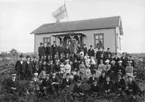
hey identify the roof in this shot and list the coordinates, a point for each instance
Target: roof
(90, 24)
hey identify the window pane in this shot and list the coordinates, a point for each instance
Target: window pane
(96, 36)
(101, 36)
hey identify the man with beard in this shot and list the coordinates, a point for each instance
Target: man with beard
(20, 68)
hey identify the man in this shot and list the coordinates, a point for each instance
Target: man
(67, 51)
(66, 81)
(108, 52)
(34, 65)
(79, 48)
(11, 84)
(120, 68)
(132, 88)
(41, 51)
(84, 48)
(98, 56)
(48, 51)
(124, 59)
(120, 84)
(54, 49)
(28, 69)
(20, 68)
(60, 51)
(91, 51)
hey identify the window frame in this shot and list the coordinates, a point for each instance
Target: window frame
(98, 34)
(47, 40)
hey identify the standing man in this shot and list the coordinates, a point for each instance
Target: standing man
(103, 52)
(60, 51)
(84, 48)
(108, 52)
(48, 51)
(28, 69)
(54, 49)
(98, 56)
(41, 50)
(20, 68)
(91, 51)
(34, 65)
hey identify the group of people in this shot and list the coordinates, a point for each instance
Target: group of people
(83, 73)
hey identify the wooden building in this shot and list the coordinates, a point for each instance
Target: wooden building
(100, 32)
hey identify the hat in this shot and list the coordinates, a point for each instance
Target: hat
(129, 61)
(21, 56)
(28, 56)
(120, 61)
(61, 65)
(112, 61)
(67, 60)
(107, 61)
(36, 74)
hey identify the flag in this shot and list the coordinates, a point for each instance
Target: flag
(60, 13)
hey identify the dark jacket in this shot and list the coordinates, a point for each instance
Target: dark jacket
(28, 71)
(108, 86)
(91, 52)
(20, 68)
(54, 49)
(34, 66)
(120, 84)
(41, 51)
(85, 50)
(48, 50)
(98, 54)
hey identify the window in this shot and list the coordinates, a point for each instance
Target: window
(46, 40)
(99, 40)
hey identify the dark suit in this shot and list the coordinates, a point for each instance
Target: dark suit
(66, 82)
(20, 69)
(133, 88)
(48, 50)
(120, 84)
(108, 86)
(34, 66)
(54, 50)
(9, 83)
(85, 50)
(91, 52)
(60, 51)
(28, 71)
(41, 51)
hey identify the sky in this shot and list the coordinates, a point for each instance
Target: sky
(18, 18)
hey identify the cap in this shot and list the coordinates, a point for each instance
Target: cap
(107, 61)
(36, 74)
(120, 61)
(21, 56)
(112, 61)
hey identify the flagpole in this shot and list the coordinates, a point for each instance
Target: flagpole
(67, 18)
